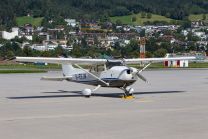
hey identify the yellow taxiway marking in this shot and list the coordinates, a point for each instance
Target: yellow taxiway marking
(145, 101)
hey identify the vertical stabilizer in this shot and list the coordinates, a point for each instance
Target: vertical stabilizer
(68, 69)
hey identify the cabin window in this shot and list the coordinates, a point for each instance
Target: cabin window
(93, 69)
(97, 68)
(100, 68)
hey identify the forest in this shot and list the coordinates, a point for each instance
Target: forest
(95, 9)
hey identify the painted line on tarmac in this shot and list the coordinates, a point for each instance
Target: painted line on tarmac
(145, 101)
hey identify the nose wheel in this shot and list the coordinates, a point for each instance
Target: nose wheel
(128, 92)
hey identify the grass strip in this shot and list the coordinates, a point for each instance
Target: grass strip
(21, 71)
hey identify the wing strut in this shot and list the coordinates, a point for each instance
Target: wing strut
(144, 68)
(92, 74)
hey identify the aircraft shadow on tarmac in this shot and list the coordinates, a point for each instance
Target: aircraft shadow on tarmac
(79, 94)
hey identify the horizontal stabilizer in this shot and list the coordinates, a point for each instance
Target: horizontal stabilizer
(44, 78)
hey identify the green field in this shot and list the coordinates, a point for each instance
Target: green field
(124, 19)
(34, 21)
(139, 20)
(51, 67)
(194, 17)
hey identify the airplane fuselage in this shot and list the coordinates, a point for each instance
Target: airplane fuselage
(116, 76)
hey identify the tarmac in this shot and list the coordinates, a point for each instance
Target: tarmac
(174, 105)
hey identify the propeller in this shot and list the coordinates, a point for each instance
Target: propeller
(137, 72)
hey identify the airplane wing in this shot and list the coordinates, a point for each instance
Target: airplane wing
(152, 60)
(44, 78)
(61, 60)
(94, 61)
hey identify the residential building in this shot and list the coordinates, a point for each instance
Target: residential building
(2, 44)
(10, 35)
(197, 23)
(51, 46)
(40, 47)
(168, 37)
(71, 22)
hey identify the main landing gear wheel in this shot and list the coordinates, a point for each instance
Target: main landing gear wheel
(86, 92)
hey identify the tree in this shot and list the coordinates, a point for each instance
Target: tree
(18, 52)
(69, 41)
(133, 19)
(83, 42)
(117, 45)
(45, 54)
(135, 54)
(76, 53)
(148, 54)
(104, 18)
(149, 15)
(160, 52)
(167, 15)
(168, 32)
(157, 35)
(142, 33)
(10, 54)
(58, 50)
(204, 16)
(118, 22)
(192, 46)
(27, 51)
(143, 14)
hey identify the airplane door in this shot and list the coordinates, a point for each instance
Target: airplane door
(112, 74)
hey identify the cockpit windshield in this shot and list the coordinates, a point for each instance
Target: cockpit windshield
(111, 64)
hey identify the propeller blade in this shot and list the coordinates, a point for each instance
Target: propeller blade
(141, 77)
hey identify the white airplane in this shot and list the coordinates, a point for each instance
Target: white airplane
(103, 73)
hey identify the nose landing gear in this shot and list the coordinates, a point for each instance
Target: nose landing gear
(128, 92)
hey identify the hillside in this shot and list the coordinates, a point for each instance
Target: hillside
(193, 17)
(34, 21)
(139, 20)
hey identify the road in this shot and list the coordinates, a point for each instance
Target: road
(173, 105)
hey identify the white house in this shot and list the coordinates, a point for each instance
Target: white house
(63, 45)
(29, 37)
(51, 46)
(10, 35)
(184, 32)
(199, 34)
(40, 47)
(127, 41)
(71, 22)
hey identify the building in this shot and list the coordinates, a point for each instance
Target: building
(63, 45)
(51, 46)
(40, 47)
(177, 63)
(168, 37)
(197, 23)
(10, 35)
(2, 44)
(71, 22)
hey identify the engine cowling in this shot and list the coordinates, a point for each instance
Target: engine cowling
(130, 90)
(86, 92)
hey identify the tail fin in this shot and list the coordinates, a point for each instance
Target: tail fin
(68, 69)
